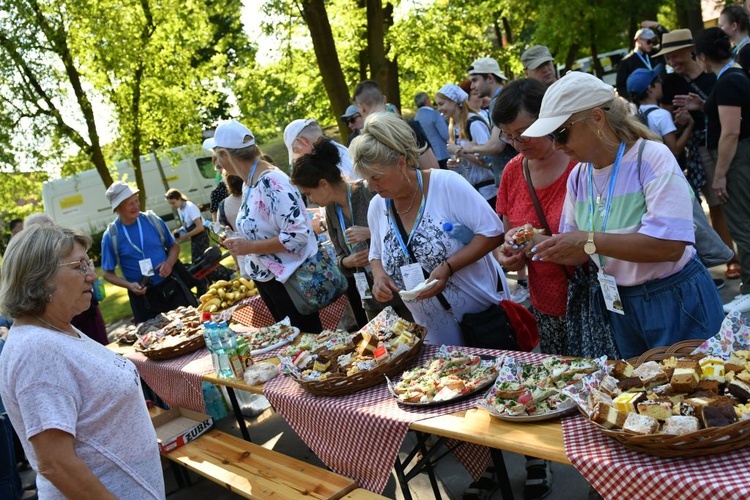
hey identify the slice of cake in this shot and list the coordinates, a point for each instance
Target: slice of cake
(680, 425)
(368, 345)
(651, 373)
(640, 424)
(607, 416)
(685, 376)
(707, 385)
(718, 415)
(739, 389)
(631, 384)
(627, 401)
(622, 369)
(712, 368)
(660, 410)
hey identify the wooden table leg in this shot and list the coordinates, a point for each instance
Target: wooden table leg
(238, 414)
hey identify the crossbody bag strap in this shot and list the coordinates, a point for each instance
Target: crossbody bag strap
(400, 225)
(695, 87)
(538, 207)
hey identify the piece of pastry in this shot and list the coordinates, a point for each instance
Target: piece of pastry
(640, 424)
(322, 363)
(707, 385)
(302, 359)
(368, 345)
(631, 384)
(712, 368)
(608, 385)
(718, 415)
(523, 235)
(739, 389)
(380, 354)
(622, 369)
(607, 416)
(680, 425)
(685, 376)
(660, 410)
(627, 401)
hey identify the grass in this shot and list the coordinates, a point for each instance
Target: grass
(116, 305)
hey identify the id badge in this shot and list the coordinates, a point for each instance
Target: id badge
(412, 275)
(147, 269)
(611, 295)
(363, 287)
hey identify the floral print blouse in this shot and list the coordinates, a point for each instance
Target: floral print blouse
(273, 208)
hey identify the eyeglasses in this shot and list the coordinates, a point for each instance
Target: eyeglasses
(561, 135)
(520, 139)
(352, 119)
(84, 265)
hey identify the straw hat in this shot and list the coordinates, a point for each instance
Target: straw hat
(675, 40)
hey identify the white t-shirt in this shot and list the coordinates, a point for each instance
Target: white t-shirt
(472, 289)
(53, 381)
(189, 213)
(346, 165)
(659, 120)
(476, 175)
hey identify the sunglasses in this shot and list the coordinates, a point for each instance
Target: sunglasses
(352, 119)
(84, 265)
(561, 135)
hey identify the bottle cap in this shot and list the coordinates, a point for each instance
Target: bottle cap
(448, 226)
(206, 316)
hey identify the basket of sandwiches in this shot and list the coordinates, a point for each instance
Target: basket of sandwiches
(675, 402)
(337, 363)
(182, 334)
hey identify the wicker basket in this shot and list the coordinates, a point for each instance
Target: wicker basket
(341, 386)
(710, 441)
(193, 344)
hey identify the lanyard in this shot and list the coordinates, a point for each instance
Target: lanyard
(736, 48)
(646, 60)
(420, 213)
(610, 195)
(340, 213)
(249, 179)
(726, 67)
(140, 233)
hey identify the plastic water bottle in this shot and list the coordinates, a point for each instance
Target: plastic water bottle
(458, 232)
(223, 366)
(230, 346)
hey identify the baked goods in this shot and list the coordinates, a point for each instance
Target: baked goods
(627, 401)
(679, 425)
(607, 416)
(718, 415)
(523, 235)
(268, 336)
(685, 376)
(640, 424)
(660, 410)
(177, 327)
(739, 389)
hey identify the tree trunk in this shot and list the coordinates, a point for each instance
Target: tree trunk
(598, 70)
(570, 59)
(508, 33)
(690, 15)
(316, 18)
(382, 70)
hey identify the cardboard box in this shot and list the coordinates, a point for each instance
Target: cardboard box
(179, 426)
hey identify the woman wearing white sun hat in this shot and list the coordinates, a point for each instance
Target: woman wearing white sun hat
(628, 208)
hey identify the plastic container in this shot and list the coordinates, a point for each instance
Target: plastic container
(458, 232)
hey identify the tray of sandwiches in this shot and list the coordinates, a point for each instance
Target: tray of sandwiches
(448, 377)
(525, 392)
(182, 334)
(673, 405)
(339, 363)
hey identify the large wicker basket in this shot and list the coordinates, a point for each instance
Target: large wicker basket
(710, 441)
(190, 345)
(341, 386)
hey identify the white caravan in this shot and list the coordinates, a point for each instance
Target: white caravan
(78, 201)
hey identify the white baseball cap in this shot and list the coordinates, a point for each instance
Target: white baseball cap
(230, 134)
(572, 93)
(292, 131)
(118, 192)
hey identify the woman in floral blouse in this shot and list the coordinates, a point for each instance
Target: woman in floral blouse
(275, 234)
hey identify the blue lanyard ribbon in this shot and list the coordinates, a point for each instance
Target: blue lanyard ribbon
(340, 213)
(610, 193)
(736, 48)
(646, 60)
(420, 213)
(249, 180)
(140, 233)
(726, 67)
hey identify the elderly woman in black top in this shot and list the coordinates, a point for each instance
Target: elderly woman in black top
(346, 202)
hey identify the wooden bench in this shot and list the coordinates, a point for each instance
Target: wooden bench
(255, 472)
(362, 494)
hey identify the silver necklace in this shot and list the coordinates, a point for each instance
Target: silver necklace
(600, 192)
(56, 329)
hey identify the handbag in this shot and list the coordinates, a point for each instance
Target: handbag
(316, 283)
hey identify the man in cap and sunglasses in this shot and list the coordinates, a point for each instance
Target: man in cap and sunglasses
(353, 119)
(640, 57)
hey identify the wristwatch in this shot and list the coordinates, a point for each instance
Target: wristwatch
(590, 246)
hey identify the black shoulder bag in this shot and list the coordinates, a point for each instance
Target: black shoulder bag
(489, 329)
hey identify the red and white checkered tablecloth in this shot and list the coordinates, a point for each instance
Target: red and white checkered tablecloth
(617, 472)
(359, 435)
(177, 381)
(255, 313)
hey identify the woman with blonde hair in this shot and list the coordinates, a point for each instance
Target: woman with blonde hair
(408, 242)
(465, 126)
(629, 209)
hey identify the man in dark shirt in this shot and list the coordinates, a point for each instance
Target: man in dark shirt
(353, 119)
(640, 57)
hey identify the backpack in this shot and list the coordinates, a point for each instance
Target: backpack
(467, 129)
(152, 218)
(643, 115)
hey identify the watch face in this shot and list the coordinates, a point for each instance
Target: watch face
(589, 248)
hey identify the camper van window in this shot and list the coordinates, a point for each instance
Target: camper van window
(206, 167)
